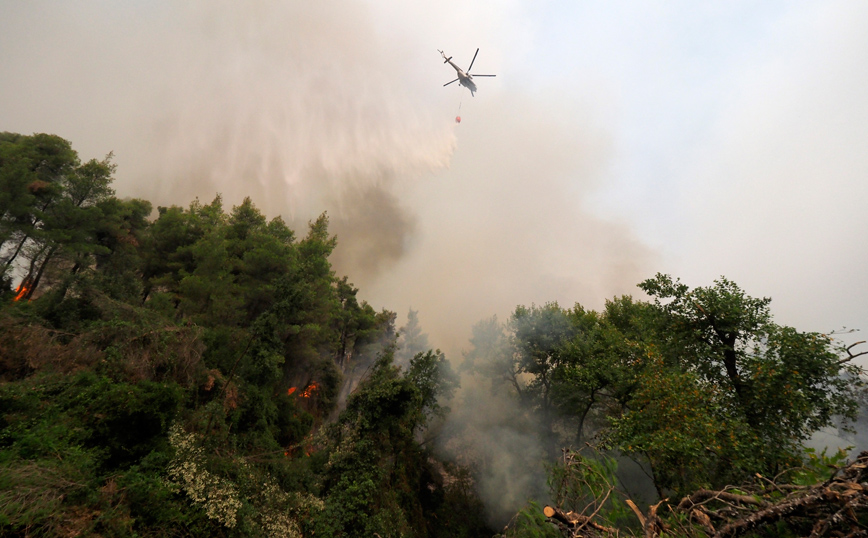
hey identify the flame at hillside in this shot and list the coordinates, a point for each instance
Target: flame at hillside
(308, 391)
(22, 290)
(306, 395)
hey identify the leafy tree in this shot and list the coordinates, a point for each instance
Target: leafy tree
(672, 422)
(69, 227)
(759, 389)
(354, 323)
(538, 336)
(598, 368)
(564, 367)
(49, 213)
(167, 252)
(30, 171)
(435, 380)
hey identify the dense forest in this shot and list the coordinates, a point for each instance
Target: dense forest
(198, 371)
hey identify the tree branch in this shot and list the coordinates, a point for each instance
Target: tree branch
(573, 520)
(850, 354)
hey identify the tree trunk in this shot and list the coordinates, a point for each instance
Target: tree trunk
(41, 272)
(580, 431)
(15, 254)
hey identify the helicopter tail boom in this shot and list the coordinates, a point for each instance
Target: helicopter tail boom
(445, 59)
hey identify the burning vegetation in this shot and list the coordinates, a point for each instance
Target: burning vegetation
(23, 290)
(309, 391)
(169, 356)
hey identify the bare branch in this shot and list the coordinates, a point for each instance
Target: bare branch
(850, 354)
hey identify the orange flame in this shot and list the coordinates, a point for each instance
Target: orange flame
(310, 390)
(22, 290)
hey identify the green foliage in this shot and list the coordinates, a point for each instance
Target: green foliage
(671, 421)
(538, 336)
(155, 507)
(120, 232)
(65, 439)
(118, 423)
(389, 401)
(818, 467)
(435, 380)
(30, 169)
(491, 357)
(123, 422)
(373, 449)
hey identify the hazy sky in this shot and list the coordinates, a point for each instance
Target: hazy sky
(619, 139)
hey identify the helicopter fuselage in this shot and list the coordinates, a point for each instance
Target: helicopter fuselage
(464, 77)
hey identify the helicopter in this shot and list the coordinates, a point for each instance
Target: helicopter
(464, 77)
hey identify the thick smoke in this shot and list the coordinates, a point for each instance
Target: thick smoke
(505, 225)
(374, 230)
(294, 104)
(489, 432)
(306, 107)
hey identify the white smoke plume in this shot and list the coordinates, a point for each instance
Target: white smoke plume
(489, 433)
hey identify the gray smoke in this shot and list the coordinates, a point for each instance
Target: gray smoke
(489, 433)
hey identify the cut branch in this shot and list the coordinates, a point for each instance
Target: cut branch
(574, 520)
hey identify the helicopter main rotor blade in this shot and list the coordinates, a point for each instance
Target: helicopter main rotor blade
(450, 82)
(473, 60)
(475, 75)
